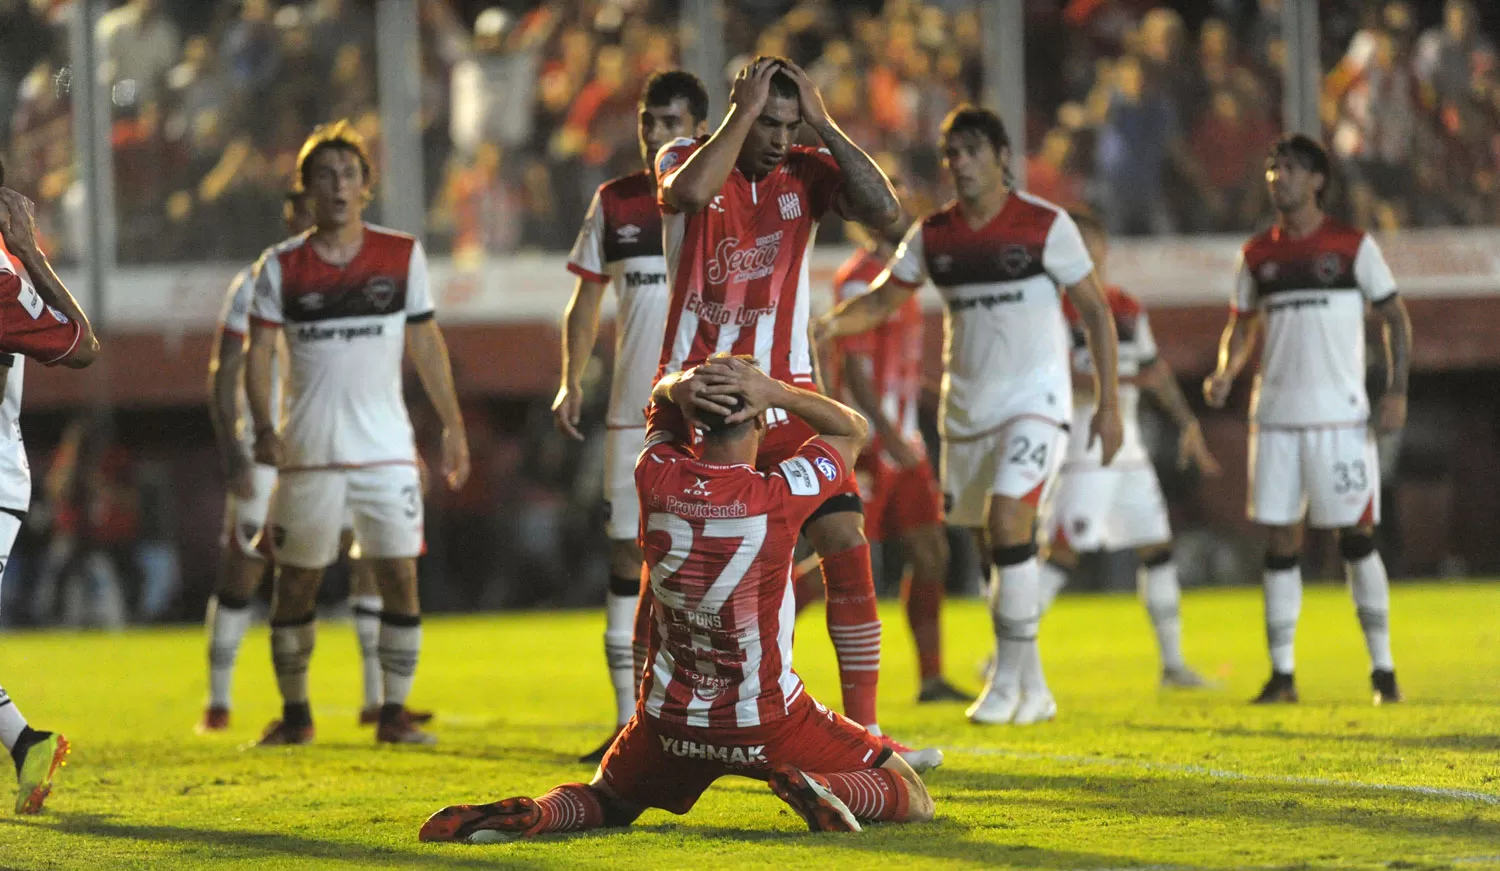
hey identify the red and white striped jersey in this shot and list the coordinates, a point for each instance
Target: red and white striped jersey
(1006, 353)
(1312, 294)
(739, 268)
(718, 545)
(890, 354)
(345, 331)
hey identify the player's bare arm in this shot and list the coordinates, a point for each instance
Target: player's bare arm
(868, 402)
(865, 312)
(429, 352)
(1236, 347)
(703, 174)
(1390, 415)
(867, 195)
(580, 329)
(260, 364)
(226, 366)
(1192, 450)
(18, 228)
(834, 422)
(1099, 329)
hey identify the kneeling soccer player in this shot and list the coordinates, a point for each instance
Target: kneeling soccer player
(720, 696)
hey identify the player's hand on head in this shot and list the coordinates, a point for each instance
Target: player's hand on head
(1109, 430)
(17, 220)
(1390, 413)
(567, 410)
(808, 96)
(752, 87)
(1192, 450)
(455, 458)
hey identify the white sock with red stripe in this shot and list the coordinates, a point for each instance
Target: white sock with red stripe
(875, 795)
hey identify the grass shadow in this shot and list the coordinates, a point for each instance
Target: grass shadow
(1489, 742)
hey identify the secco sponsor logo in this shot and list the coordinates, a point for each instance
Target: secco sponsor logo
(732, 263)
(754, 754)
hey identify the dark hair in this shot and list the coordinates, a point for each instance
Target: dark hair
(339, 135)
(667, 85)
(713, 423)
(969, 118)
(1307, 153)
(782, 84)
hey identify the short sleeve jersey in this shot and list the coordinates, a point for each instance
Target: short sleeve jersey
(890, 355)
(620, 243)
(1137, 350)
(718, 545)
(1006, 350)
(1312, 293)
(739, 268)
(345, 339)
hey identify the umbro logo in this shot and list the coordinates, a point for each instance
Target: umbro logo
(628, 233)
(790, 205)
(699, 488)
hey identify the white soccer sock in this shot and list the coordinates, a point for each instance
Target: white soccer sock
(292, 644)
(366, 610)
(1163, 595)
(12, 724)
(227, 624)
(1372, 603)
(1283, 592)
(1015, 608)
(619, 624)
(1052, 579)
(400, 646)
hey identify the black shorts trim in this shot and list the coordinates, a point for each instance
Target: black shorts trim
(885, 753)
(835, 504)
(421, 318)
(14, 512)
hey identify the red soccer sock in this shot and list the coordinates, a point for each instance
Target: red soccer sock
(924, 604)
(854, 626)
(807, 586)
(877, 794)
(572, 807)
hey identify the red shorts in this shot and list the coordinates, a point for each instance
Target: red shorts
(900, 500)
(784, 436)
(664, 765)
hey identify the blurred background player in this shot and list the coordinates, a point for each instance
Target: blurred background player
(880, 373)
(349, 298)
(1304, 283)
(720, 697)
(250, 484)
(740, 212)
(1119, 506)
(38, 319)
(998, 256)
(620, 243)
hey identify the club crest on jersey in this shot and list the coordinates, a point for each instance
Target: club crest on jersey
(826, 468)
(1014, 259)
(312, 301)
(1268, 271)
(699, 488)
(790, 205)
(942, 263)
(627, 234)
(380, 290)
(1327, 267)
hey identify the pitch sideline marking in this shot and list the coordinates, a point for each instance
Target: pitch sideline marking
(1223, 774)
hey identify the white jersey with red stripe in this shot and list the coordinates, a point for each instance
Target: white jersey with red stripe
(739, 268)
(1137, 352)
(620, 244)
(718, 545)
(345, 331)
(1006, 351)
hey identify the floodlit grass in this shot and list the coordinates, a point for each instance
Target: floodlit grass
(1127, 776)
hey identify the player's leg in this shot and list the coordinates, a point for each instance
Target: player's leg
(304, 528)
(622, 523)
(242, 568)
(1344, 494)
(1138, 520)
(364, 610)
(836, 531)
(912, 510)
(1079, 519)
(1278, 503)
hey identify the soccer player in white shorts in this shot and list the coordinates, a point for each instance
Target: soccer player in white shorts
(1305, 284)
(998, 255)
(38, 319)
(243, 564)
(1120, 506)
(620, 243)
(348, 298)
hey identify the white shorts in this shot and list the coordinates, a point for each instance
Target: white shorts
(1019, 460)
(245, 518)
(622, 507)
(1329, 474)
(10, 527)
(383, 503)
(1109, 507)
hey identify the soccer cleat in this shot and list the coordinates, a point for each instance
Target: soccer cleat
(36, 763)
(1386, 691)
(1180, 677)
(279, 734)
(1035, 708)
(504, 820)
(402, 729)
(1281, 688)
(938, 689)
(214, 720)
(371, 716)
(596, 756)
(814, 803)
(920, 761)
(993, 707)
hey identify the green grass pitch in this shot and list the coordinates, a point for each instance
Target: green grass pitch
(1126, 777)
